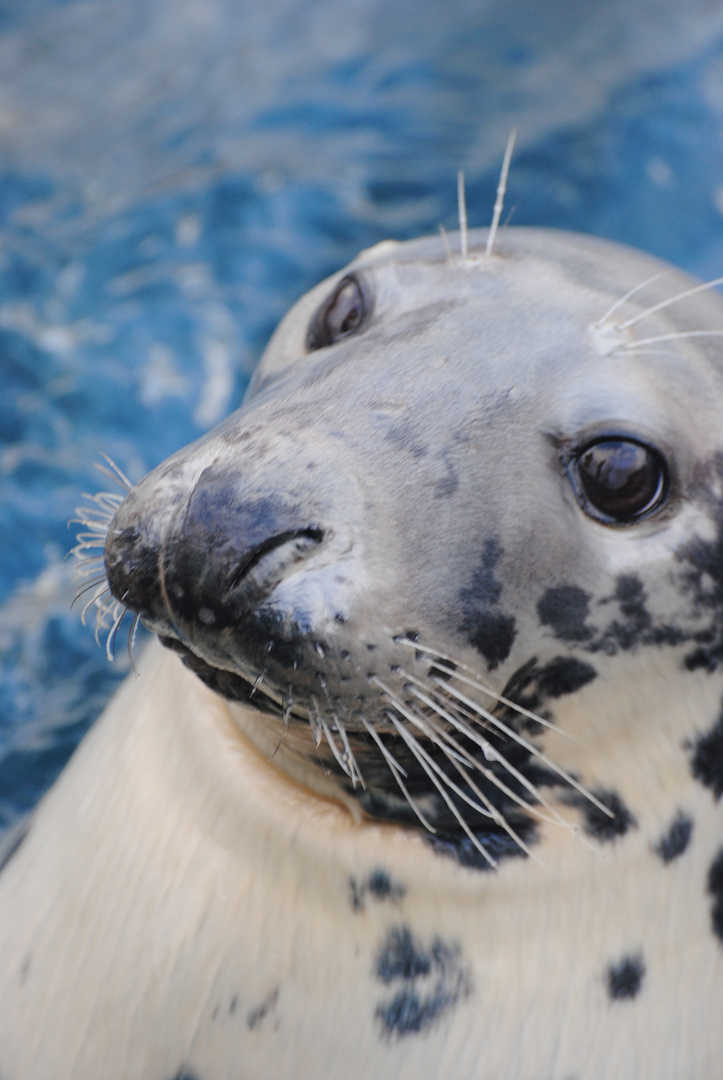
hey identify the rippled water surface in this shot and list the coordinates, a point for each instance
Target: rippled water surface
(173, 173)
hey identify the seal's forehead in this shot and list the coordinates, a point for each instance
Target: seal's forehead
(544, 282)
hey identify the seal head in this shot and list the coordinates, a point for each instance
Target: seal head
(459, 491)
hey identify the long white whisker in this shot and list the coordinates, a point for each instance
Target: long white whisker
(417, 751)
(671, 300)
(511, 734)
(501, 190)
(462, 210)
(630, 293)
(443, 741)
(110, 640)
(101, 587)
(397, 772)
(477, 683)
(114, 472)
(487, 748)
(635, 345)
(419, 722)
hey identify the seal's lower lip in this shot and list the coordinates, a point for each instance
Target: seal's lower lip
(228, 684)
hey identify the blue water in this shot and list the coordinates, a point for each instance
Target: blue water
(173, 175)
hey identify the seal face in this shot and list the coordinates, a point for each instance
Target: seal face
(455, 486)
(456, 565)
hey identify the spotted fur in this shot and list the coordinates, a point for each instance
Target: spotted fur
(427, 778)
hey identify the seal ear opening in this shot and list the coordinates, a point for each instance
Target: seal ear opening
(342, 314)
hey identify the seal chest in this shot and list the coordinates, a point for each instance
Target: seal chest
(432, 784)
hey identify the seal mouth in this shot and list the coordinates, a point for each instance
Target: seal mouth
(228, 684)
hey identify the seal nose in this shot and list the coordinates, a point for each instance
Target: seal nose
(222, 552)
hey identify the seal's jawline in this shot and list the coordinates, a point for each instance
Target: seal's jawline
(227, 684)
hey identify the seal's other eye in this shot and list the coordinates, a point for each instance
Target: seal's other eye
(619, 481)
(342, 314)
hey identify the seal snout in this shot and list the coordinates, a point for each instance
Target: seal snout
(218, 557)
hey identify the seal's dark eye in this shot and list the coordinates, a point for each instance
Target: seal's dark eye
(619, 481)
(340, 315)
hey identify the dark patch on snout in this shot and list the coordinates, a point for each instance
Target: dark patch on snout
(428, 981)
(597, 823)
(217, 543)
(707, 760)
(625, 978)
(488, 629)
(676, 839)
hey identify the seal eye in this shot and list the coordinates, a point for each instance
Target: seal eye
(619, 481)
(340, 315)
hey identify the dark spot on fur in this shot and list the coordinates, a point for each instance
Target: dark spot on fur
(597, 823)
(499, 845)
(184, 1074)
(449, 483)
(564, 675)
(492, 633)
(428, 982)
(566, 609)
(715, 888)
(707, 761)
(405, 437)
(703, 578)
(379, 886)
(486, 589)
(676, 839)
(13, 842)
(625, 978)
(256, 1015)
(233, 1004)
(630, 596)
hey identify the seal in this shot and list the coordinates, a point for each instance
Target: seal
(427, 779)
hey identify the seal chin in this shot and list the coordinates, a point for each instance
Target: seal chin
(229, 684)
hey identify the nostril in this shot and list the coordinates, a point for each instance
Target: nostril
(300, 539)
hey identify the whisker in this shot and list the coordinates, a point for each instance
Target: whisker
(477, 683)
(416, 750)
(110, 640)
(317, 733)
(462, 211)
(634, 345)
(352, 767)
(398, 772)
(114, 472)
(511, 734)
(489, 810)
(498, 817)
(132, 640)
(671, 300)
(494, 754)
(101, 588)
(630, 293)
(501, 191)
(420, 723)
